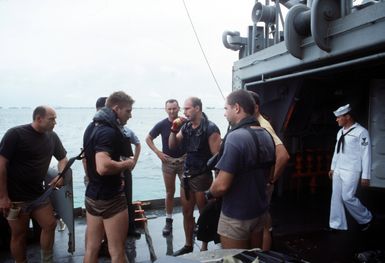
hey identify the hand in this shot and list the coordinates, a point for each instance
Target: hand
(208, 196)
(133, 165)
(331, 174)
(162, 156)
(56, 182)
(130, 163)
(365, 182)
(5, 205)
(177, 124)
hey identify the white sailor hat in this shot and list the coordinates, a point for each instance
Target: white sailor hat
(342, 110)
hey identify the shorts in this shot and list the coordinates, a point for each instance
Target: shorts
(198, 183)
(21, 206)
(240, 229)
(106, 208)
(174, 165)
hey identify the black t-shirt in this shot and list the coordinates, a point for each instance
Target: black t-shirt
(164, 129)
(29, 154)
(105, 139)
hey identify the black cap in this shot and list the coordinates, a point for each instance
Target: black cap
(101, 102)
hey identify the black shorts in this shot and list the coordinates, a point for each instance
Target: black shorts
(106, 208)
(198, 183)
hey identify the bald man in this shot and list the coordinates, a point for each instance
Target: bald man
(25, 154)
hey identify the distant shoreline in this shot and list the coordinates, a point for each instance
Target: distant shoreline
(80, 107)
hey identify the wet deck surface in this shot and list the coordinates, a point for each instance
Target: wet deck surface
(162, 245)
(299, 223)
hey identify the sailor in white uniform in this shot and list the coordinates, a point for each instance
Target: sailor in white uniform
(351, 161)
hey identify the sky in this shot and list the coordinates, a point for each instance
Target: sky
(70, 52)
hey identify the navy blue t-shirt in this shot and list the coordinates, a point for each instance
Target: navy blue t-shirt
(246, 198)
(105, 139)
(164, 129)
(29, 154)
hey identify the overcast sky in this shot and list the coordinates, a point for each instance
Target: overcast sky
(69, 52)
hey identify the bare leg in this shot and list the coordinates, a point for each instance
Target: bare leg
(19, 229)
(188, 216)
(200, 200)
(169, 182)
(204, 246)
(232, 243)
(267, 239)
(256, 238)
(94, 236)
(264, 241)
(116, 229)
(45, 218)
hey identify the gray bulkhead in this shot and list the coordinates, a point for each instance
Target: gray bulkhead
(377, 132)
(339, 59)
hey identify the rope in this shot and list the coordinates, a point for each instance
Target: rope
(201, 48)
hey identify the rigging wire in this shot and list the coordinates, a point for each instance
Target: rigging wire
(203, 52)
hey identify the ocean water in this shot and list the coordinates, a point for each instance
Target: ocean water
(71, 123)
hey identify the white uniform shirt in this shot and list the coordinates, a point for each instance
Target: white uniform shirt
(356, 155)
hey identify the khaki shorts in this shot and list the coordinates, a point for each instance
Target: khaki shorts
(106, 208)
(174, 165)
(19, 208)
(198, 183)
(240, 229)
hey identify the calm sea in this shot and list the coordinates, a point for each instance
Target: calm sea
(71, 122)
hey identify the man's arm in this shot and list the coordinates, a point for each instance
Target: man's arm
(215, 142)
(281, 159)
(86, 178)
(366, 158)
(334, 159)
(5, 202)
(106, 166)
(174, 139)
(221, 183)
(61, 164)
(138, 147)
(281, 154)
(176, 135)
(151, 144)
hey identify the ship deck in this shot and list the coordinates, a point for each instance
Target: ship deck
(299, 230)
